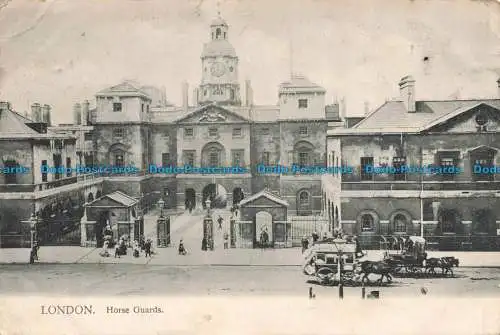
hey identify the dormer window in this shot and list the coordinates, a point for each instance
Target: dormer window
(117, 106)
(302, 103)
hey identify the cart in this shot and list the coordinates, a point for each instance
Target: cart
(331, 262)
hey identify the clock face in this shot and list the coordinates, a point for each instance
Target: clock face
(218, 69)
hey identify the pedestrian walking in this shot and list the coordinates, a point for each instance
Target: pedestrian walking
(34, 252)
(147, 247)
(226, 240)
(315, 237)
(182, 249)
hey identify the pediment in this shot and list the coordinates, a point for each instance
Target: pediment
(263, 199)
(473, 119)
(106, 202)
(212, 114)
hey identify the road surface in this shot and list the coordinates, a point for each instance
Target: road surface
(130, 279)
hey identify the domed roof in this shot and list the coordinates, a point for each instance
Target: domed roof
(218, 48)
(219, 21)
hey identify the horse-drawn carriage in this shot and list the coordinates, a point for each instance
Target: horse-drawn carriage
(330, 262)
(411, 259)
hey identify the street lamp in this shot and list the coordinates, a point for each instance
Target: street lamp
(161, 203)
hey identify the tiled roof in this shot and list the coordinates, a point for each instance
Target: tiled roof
(12, 123)
(124, 89)
(120, 198)
(265, 194)
(392, 115)
(299, 83)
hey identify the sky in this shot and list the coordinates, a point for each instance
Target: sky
(60, 52)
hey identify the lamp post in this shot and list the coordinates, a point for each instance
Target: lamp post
(33, 226)
(161, 203)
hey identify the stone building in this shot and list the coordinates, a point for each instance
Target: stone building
(458, 210)
(26, 146)
(136, 126)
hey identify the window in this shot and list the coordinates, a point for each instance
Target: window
(480, 161)
(58, 144)
(212, 132)
(10, 165)
(303, 131)
(448, 162)
(213, 158)
(366, 168)
(302, 103)
(87, 136)
(303, 158)
(265, 158)
(265, 131)
(44, 174)
(142, 108)
(57, 159)
(68, 167)
(118, 133)
(367, 223)
(119, 160)
(400, 223)
(165, 159)
(237, 157)
(304, 198)
(117, 106)
(188, 157)
(398, 163)
(237, 132)
(188, 132)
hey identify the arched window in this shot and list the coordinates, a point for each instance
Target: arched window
(400, 223)
(367, 222)
(304, 198)
(90, 197)
(213, 158)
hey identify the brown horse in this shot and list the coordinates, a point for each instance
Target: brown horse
(378, 268)
(445, 263)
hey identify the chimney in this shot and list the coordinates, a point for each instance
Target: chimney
(195, 96)
(248, 93)
(498, 84)
(185, 97)
(85, 115)
(36, 112)
(163, 96)
(407, 93)
(46, 115)
(77, 114)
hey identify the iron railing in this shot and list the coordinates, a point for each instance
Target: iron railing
(419, 186)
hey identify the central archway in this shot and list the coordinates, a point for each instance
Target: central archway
(190, 195)
(238, 195)
(217, 195)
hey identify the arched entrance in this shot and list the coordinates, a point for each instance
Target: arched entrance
(304, 203)
(190, 201)
(483, 222)
(101, 224)
(449, 221)
(264, 226)
(237, 195)
(217, 195)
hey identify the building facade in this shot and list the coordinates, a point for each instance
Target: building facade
(441, 194)
(133, 126)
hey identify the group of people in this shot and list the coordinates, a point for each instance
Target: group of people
(120, 246)
(336, 234)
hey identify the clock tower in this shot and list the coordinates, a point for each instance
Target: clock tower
(219, 63)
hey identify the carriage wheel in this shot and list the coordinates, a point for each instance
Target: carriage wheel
(365, 280)
(323, 274)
